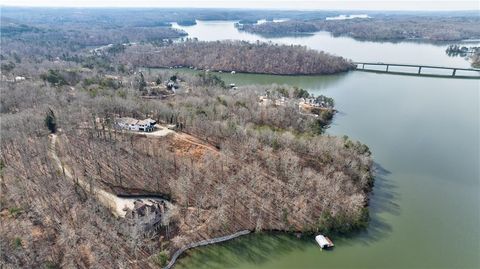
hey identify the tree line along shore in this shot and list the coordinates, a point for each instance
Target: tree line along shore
(383, 28)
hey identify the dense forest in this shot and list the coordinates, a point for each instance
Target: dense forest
(68, 40)
(111, 17)
(249, 167)
(230, 163)
(283, 28)
(391, 28)
(236, 56)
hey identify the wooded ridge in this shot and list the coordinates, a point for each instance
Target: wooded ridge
(239, 56)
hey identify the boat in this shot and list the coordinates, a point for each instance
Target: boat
(323, 241)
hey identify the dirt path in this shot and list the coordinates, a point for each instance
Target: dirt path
(110, 200)
(195, 141)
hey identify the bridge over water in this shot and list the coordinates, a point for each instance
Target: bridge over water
(419, 70)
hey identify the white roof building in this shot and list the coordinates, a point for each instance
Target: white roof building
(146, 125)
(323, 241)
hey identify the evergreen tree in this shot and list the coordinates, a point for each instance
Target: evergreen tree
(142, 83)
(50, 121)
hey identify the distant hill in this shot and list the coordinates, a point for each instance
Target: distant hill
(11, 27)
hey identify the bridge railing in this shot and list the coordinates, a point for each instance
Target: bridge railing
(367, 66)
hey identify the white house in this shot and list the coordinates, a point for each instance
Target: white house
(19, 78)
(146, 125)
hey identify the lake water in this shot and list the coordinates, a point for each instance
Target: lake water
(424, 135)
(360, 51)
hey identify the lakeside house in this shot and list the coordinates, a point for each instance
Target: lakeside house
(146, 215)
(315, 102)
(311, 106)
(315, 105)
(146, 125)
(233, 86)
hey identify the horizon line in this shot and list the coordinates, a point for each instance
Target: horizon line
(232, 8)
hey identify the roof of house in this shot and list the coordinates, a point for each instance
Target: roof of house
(127, 120)
(143, 122)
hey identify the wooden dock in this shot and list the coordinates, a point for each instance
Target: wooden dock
(470, 73)
(179, 252)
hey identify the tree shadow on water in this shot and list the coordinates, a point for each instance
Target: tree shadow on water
(383, 200)
(254, 248)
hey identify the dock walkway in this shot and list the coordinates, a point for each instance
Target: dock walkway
(179, 252)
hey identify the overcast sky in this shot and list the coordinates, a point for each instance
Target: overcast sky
(264, 4)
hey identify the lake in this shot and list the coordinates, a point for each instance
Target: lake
(360, 51)
(424, 135)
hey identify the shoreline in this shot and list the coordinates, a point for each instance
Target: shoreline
(205, 242)
(248, 73)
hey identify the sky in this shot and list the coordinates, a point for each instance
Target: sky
(262, 4)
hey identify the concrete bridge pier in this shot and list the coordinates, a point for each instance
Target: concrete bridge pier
(419, 70)
(386, 70)
(454, 72)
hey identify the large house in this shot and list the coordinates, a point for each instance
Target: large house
(320, 102)
(146, 125)
(145, 216)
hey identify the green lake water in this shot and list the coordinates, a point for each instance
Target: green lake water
(424, 135)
